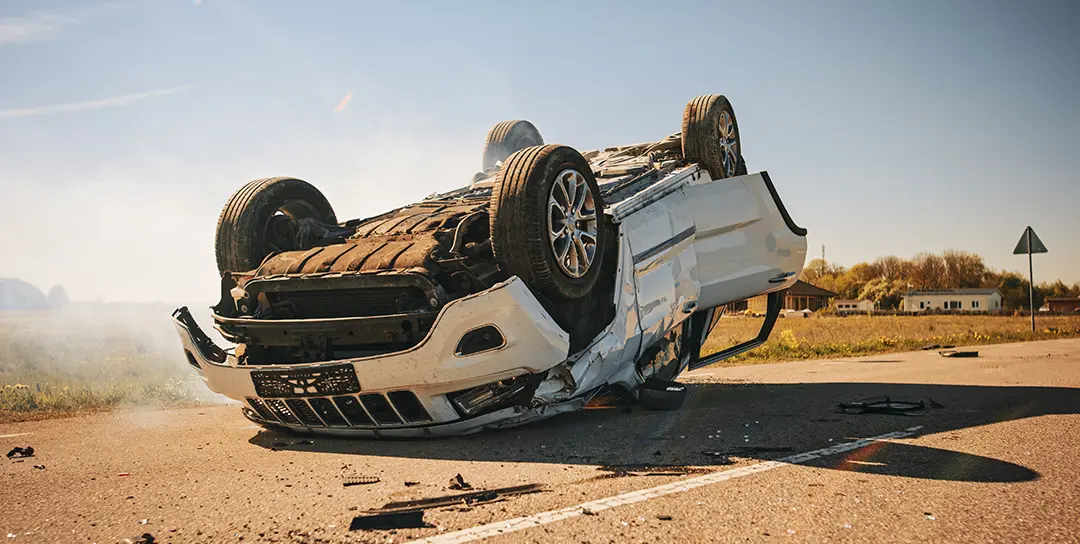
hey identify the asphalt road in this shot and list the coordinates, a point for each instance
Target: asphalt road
(997, 463)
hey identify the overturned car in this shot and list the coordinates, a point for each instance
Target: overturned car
(554, 275)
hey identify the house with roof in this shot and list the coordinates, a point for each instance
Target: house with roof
(845, 306)
(955, 300)
(801, 296)
(1063, 305)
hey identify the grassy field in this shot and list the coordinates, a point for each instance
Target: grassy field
(827, 337)
(92, 357)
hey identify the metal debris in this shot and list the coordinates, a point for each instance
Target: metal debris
(738, 450)
(468, 499)
(958, 353)
(348, 481)
(28, 451)
(410, 484)
(457, 482)
(39, 467)
(881, 406)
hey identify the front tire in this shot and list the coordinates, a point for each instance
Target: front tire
(260, 218)
(547, 224)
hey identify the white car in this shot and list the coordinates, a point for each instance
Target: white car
(553, 276)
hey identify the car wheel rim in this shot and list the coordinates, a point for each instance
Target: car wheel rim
(729, 143)
(572, 223)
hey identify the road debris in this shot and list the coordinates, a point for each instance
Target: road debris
(588, 511)
(932, 347)
(145, 538)
(958, 353)
(739, 450)
(394, 520)
(881, 406)
(664, 517)
(459, 483)
(28, 451)
(123, 474)
(649, 469)
(39, 467)
(467, 499)
(349, 481)
(410, 484)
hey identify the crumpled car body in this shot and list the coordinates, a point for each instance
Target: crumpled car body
(404, 327)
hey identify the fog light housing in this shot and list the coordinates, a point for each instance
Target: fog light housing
(475, 401)
(480, 339)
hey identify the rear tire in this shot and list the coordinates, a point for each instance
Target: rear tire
(256, 220)
(656, 394)
(507, 137)
(532, 220)
(710, 136)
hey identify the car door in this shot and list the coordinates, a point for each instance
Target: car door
(744, 242)
(661, 240)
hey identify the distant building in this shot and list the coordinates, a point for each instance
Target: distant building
(1063, 305)
(801, 296)
(853, 306)
(956, 300)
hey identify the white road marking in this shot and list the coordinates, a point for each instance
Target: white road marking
(544, 518)
(13, 435)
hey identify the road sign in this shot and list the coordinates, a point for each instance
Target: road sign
(1033, 241)
(1030, 243)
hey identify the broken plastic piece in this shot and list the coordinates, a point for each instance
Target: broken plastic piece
(457, 482)
(28, 451)
(957, 353)
(394, 520)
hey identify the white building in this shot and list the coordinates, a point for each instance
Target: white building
(957, 300)
(853, 306)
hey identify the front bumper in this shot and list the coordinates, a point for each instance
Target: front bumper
(402, 393)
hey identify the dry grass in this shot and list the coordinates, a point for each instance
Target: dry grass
(827, 337)
(92, 358)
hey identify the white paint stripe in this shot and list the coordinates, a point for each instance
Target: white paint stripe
(544, 518)
(13, 435)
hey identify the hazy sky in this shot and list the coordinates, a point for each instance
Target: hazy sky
(888, 127)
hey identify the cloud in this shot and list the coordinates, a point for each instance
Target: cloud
(344, 102)
(36, 27)
(112, 102)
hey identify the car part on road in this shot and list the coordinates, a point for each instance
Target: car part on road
(507, 137)
(145, 538)
(471, 498)
(657, 394)
(457, 482)
(349, 481)
(958, 353)
(881, 406)
(739, 450)
(39, 467)
(393, 520)
(21, 452)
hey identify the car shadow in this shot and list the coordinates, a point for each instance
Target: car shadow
(719, 418)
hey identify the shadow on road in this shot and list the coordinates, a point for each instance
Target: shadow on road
(721, 417)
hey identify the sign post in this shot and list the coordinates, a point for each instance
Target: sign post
(1030, 243)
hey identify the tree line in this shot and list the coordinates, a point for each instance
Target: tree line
(887, 279)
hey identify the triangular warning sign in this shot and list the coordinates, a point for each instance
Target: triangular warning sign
(1036, 244)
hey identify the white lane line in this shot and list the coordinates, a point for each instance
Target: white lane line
(544, 518)
(13, 435)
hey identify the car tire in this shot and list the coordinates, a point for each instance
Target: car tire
(507, 137)
(254, 222)
(710, 136)
(534, 234)
(656, 394)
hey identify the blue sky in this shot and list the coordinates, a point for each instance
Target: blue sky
(889, 128)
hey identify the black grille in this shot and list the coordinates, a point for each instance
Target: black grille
(261, 409)
(301, 409)
(323, 381)
(352, 302)
(409, 406)
(380, 409)
(352, 410)
(328, 413)
(281, 411)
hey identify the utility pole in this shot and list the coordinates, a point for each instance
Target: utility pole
(822, 252)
